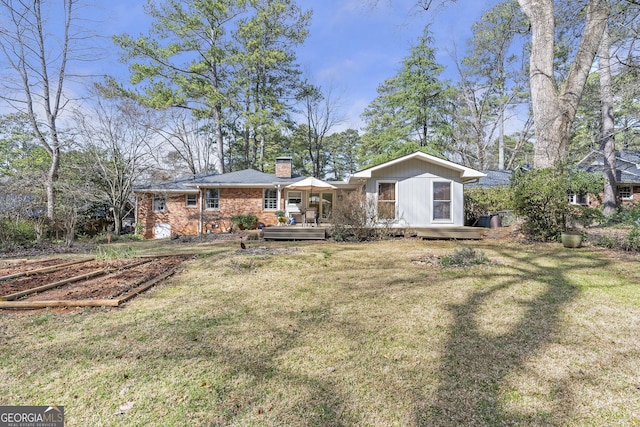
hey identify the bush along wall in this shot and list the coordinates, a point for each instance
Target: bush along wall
(540, 196)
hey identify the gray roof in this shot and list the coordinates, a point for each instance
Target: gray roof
(183, 184)
(245, 177)
(627, 165)
(493, 178)
(242, 178)
(627, 169)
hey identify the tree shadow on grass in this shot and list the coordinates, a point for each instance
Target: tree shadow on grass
(476, 365)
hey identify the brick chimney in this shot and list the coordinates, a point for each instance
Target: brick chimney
(283, 167)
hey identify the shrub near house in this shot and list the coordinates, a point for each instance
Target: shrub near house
(541, 197)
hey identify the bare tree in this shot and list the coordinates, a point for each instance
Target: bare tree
(118, 136)
(320, 112)
(37, 51)
(193, 141)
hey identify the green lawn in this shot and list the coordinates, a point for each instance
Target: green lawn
(345, 334)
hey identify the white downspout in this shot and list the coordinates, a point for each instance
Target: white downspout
(135, 215)
(200, 202)
(279, 197)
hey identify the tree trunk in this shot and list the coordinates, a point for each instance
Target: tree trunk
(50, 182)
(607, 141)
(219, 139)
(117, 221)
(501, 141)
(554, 109)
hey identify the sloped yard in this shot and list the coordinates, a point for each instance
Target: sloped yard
(326, 334)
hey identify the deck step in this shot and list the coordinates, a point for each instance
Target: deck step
(294, 233)
(462, 233)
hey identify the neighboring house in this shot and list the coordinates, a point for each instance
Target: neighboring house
(627, 175)
(417, 190)
(493, 178)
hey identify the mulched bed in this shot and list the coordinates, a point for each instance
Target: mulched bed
(29, 282)
(11, 267)
(121, 277)
(112, 285)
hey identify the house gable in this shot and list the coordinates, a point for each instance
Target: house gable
(428, 191)
(409, 163)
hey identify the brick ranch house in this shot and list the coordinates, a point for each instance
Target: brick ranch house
(627, 176)
(417, 190)
(205, 204)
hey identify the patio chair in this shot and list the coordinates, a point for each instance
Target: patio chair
(310, 216)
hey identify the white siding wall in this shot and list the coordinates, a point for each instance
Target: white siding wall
(415, 192)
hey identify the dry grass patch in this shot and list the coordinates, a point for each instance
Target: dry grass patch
(323, 334)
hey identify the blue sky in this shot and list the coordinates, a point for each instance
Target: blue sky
(353, 45)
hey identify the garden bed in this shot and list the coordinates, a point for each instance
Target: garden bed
(85, 283)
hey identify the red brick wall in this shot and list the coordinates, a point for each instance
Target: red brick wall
(283, 168)
(185, 220)
(593, 201)
(237, 201)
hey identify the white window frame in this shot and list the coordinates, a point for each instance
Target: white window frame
(270, 203)
(434, 200)
(290, 197)
(630, 191)
(395, 201)
(191, 203)
(159, 203)
(574, 199)
(212, 203)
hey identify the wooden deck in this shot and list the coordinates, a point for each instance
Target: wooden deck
(294, 233)
(320, 233)
(459, 233)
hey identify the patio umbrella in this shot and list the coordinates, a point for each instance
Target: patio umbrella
(310, 184)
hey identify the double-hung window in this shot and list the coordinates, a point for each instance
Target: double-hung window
(294, 198)
(442, 201)
(191, 200)
(159, 203)
(270, 198)
(625, 192)
(386, 200)
(212, 198)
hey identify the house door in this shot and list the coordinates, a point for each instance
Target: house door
(162, 230)
(323, 203)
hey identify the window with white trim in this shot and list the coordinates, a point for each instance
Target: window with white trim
(159, 203)
(294, 197)
(191, 200)
(212, 198)
(270, 198)
(577, 198)
(626, 192)
(386, 200)
(442, 201)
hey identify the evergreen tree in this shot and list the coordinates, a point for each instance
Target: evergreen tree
(410, 106)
